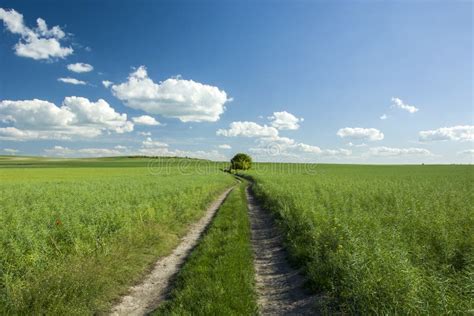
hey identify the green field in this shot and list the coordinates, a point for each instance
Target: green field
(76, 233)
(218, 278)
(378, 239)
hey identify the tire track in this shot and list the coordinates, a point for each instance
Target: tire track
(146, 296)
(279, 287)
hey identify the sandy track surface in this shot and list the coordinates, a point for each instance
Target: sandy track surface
(279, 287)
(146, 296)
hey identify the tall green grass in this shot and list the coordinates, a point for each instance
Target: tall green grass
(73, 239)
(379, 239)
(218, 278)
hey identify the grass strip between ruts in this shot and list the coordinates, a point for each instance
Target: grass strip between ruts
(218, 277)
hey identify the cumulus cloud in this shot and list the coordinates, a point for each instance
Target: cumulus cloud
(323, 152)
(399, 104)
(150, 143)
(309, 148)
(350, 144)
(11, 151)
(157, 149)
(359, 133)
(225, 146)
(77, 117)
(383, 117)
(98, 113)
(202, 154)
(36, 43)
(469, 152)
(144, 133)
(72, 81)
(107, 83)
(145, 120)
(80, 67)
(151, 147)
(456, 133)
(186, 100)
(83, 152)
(391, 151)
(288, 147)
(284, 121)
(248, 129)
(270, 144)
(284, 147)
(337, 152)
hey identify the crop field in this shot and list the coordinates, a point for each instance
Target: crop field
(76, 233)
(218, 278)
(378, 239)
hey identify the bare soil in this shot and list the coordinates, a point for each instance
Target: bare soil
(280, 288)
(146, 296)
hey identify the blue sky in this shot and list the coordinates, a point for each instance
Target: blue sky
(285, 81)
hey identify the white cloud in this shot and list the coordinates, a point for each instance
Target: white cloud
(98, 113)
(276, 144)
(155, 148)
(287, 147)
(107, 83)
(13, 21)
(350, 144)
(42, 48)
(201, 154)
(390, 151)
(337, 152)
(77, 117)
(469, 152)
(248, 129)
(72, 81)
(383, 117)
(284, 121)
(270, 144)
(323, 152)
(80, 67)
(309, 148)
(12, 133)
(11, 151)
(145, 120)
(150, 143)
(38, 43)
(186, 100)
(120, 147)
(398, 103)
(224, 146)
(294, 150)
(360, 133)
(456, 133)
(144, 133)
(83, 152)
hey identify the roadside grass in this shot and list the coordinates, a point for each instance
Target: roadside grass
(218, 277)
(73, 239)
(378, 239)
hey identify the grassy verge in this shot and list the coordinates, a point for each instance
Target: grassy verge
(218, 278)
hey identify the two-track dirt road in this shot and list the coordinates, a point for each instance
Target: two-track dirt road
(280, 288)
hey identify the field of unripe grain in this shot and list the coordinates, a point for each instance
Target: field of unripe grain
(76, 233)
(378, 239)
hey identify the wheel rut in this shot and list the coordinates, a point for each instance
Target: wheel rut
(146, 296)
(280, 288)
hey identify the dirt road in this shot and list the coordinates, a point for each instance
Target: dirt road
(146, 296)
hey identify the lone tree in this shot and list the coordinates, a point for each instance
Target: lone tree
(241, 162)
